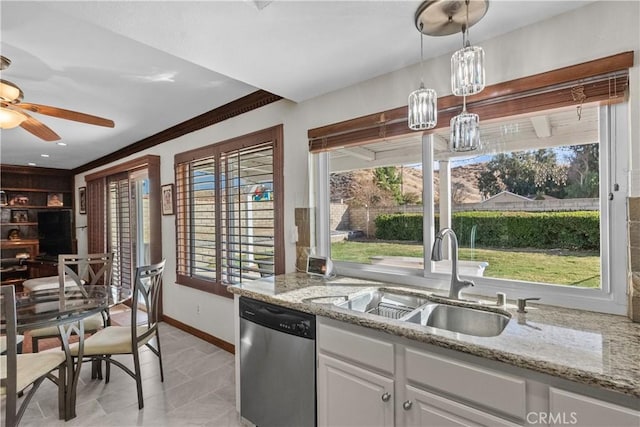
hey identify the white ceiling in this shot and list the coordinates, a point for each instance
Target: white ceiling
(149, 65)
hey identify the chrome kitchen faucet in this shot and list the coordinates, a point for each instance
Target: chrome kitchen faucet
(436, 255)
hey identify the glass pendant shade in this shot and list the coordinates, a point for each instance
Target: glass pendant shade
(467, 71)
(465, 132)
(423, 109)
(10, 118)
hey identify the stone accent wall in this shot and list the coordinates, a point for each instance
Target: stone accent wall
(634, 258)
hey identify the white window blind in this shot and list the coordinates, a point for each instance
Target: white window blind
(227, 227)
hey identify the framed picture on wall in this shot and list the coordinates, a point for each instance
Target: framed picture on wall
(167, 199)
(82, 200)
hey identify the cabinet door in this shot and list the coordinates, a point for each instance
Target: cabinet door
(421, 408)
(566, 407)
(352, 396)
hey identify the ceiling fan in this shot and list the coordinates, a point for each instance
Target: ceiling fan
(13, 111)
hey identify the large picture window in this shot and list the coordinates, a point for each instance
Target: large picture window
(532, 209)
(229, 212)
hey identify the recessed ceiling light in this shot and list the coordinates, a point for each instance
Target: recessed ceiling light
(31, 164)
(62, 144)
(44, 155)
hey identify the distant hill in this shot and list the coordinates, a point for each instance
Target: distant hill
(349, 185)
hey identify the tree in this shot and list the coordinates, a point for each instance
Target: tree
(388, 179)
(583, 179)
(525, 173)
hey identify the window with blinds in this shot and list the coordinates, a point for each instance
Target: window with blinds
(229, 212)
(119, 238)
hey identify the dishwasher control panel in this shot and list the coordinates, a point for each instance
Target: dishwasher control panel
(279, 318)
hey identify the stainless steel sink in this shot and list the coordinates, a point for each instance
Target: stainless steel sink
(469, 321)
(426, 311)
(383, 302)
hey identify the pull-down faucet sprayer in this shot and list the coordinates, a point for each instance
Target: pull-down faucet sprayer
(436, 255)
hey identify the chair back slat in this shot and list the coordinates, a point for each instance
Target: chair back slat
(147, 286)
(91, 269)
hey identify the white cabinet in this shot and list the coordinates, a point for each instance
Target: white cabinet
(571, 408)
(498, 392)
(421, 408)
(352, 396)
(369, 378)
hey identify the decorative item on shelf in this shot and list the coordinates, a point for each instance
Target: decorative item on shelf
(14, 234)
(3, 198)
(19, 215)
(423, 103)
(54, 199)
(167, 199)
(446, 17)
(5, 215)
(82, 200)
(19, 200)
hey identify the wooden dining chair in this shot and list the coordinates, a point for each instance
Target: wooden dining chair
(19, 371)
(117, 340)
(74, 271)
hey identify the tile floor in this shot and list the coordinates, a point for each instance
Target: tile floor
(198, 390)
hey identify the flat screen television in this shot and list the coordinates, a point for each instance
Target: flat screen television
(54, 233)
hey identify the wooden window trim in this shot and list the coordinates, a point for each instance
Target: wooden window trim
(605, 80)
(274, 134)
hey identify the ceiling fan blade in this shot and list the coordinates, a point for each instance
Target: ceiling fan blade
(39, 129)
(66, 114)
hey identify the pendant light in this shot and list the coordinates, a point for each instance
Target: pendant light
(465, 130)
(443, 18)
(467, 65)
(467, 78)
(423, 103)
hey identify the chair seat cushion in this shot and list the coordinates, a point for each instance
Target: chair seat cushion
(111, 340)
(45, 283)
(91, 323)
(31, 366)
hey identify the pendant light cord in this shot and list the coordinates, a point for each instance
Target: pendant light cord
(421, 56)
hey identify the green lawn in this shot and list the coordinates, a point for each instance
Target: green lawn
(573, 268)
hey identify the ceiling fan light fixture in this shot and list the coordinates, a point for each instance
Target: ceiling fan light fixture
(9, 92)
(10, 118)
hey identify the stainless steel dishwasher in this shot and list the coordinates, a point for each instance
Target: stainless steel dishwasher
(277, 365)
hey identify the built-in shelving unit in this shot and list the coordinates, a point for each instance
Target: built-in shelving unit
(25, 192)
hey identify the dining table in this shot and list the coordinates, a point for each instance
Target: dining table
(65, 308)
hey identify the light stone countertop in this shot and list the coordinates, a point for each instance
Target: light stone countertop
(596, 349)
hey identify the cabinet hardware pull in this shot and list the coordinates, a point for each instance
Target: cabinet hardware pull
(407, 405)
(386, 397)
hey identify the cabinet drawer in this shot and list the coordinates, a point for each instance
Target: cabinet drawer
(585, 411)
(491, 389)
(364, 350)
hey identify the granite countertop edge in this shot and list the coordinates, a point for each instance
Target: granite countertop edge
(422, 334)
